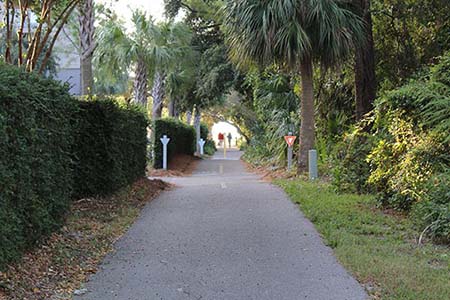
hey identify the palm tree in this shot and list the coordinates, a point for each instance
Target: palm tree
(365, 78)
(117, 50)
(293, 34)
(87, 44)
(170, 44)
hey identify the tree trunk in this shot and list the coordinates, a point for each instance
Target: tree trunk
(197, 121)
(307, 128)
(172, 108)
(9, 26)
(189, 117)
(365, 79)
(87, 45)
(140, 83)
(158, 95)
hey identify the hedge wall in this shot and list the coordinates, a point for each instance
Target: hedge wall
(54, 148)
(110, 149)
(182, 139)
(35, 158)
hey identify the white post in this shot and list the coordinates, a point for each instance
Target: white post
(201, 143)
(165, 140)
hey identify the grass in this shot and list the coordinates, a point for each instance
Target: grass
(379, 248)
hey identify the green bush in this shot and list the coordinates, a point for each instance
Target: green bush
(182, 139)
(54, 148)
(204, 131)
(110, 148)
(35, 159)
(406, 145)
(433, 213)
(350, 169)
(210, 147)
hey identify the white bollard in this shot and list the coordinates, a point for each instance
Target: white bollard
(165, 140)
(201, 143)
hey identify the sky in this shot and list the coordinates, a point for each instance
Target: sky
(124, 8)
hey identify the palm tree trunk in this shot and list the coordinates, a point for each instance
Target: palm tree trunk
(307, 128)
(140, 83)
(197, 121)
(189, 117)
(365, 79)
(158, 95)
(172, 108)
(87, 45)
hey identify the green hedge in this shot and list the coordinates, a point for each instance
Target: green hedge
(35, 158)
(182, 139)
(110, 148)
(54, 148)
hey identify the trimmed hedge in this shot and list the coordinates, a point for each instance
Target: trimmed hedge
(54, 148)
(35, 158)
(182, 139)
(110, 149)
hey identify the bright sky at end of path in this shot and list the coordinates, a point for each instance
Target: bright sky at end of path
(124, 8)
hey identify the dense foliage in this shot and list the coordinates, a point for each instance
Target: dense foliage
(404, 152)
(36, 163)
(182, 139)
(210, 146)
(54, 148)
(110, 147)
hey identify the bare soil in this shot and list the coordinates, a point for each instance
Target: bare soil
(180, 165)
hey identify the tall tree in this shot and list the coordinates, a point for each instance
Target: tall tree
(293, 34)
(87, 44)
(169, 43)
(117, 50)
(365, 79)
(52, 15)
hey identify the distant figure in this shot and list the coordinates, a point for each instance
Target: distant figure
(229, 137)
(221, 137)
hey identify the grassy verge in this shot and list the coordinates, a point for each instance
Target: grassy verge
(60, 265)
(378, 247)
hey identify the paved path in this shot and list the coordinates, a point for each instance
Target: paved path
(222, 234)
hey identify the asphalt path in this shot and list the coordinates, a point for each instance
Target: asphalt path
(222, 233)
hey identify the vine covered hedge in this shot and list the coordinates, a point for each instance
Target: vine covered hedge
(53, 149)
(182, 139)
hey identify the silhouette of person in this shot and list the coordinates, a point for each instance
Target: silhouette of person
(229, 137)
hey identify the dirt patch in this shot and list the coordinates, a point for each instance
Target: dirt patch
(180, 165)
(270, 173)
(61, 263)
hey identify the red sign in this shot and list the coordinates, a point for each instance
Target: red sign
(290, 139)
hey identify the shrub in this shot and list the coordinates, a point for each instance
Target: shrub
(210, 147)
(110, 148)
(54, 148)
(406, 145)
(432, 215)
(36, 161)
(350, 169)
(204, 131)
(182, 139)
